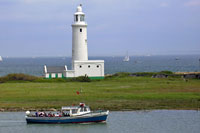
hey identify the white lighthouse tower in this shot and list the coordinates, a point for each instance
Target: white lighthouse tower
(81, 66)
(79, 37)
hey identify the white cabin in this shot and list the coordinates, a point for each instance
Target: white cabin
(76, 110)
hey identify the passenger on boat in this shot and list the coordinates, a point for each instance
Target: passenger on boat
(57, 115)
(50, 114)
(41, 114)
(65, 114)
(45, 114)
(36, 114)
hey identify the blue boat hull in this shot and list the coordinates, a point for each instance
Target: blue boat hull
(66, 119)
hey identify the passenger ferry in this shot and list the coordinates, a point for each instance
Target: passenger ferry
(69, 114)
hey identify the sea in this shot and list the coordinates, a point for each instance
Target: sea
(174, 63)
(155, 121)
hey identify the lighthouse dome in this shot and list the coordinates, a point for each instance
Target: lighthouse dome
(79, 8)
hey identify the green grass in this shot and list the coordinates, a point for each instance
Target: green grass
(116, 93)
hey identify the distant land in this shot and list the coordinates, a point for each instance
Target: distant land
(121, 91)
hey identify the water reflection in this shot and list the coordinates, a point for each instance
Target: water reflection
(72, 128)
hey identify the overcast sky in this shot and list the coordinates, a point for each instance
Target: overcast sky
(141, 27)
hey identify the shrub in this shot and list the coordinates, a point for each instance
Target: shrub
(81, 79)
(2, 80)
(166, 72)
(152, 73)
(148, 74)
(18, 77)
(121, 74)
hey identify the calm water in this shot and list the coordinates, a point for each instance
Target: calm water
(158, 121)
(34, 66)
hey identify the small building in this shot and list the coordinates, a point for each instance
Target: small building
(54, 71)
(92, 68)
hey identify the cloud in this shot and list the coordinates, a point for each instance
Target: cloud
(192, 3)
(164, 4)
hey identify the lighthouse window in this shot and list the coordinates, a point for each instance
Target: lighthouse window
(82, 18)
(80, 66)
(97, 66)
(76, 17)
(88, 66)
(80, 30)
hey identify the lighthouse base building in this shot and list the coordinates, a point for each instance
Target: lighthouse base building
(92, 68)
(81, 66)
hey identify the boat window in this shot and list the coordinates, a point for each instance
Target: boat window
(85, 109)
(74, 111)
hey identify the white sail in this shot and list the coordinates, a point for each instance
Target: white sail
(126, 58)
(1, 59)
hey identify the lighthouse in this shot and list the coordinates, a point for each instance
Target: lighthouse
(81, 66)
(79, 37)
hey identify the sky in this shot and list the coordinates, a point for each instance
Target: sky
(142, 27)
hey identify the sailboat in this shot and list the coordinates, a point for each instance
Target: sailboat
(1, 59)
(126, 58)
